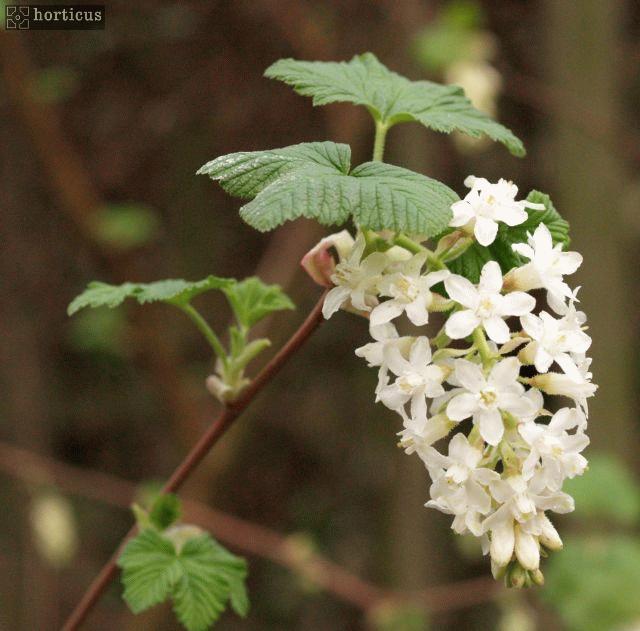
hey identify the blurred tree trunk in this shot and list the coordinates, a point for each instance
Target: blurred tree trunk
(582, 60)
(418, 536)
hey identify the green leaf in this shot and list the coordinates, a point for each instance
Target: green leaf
(211, 576)
(165, 510)
(100, 294)
(246, 173)
(200, 577)
(376, 195)
(471, 262)
(607, 491)
(558, 227)
(592, 581)
(389, 97)
(252, 300)
(150, 570)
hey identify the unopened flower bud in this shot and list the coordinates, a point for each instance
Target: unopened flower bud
(537, 577)
(549, 536)
(527, 355)
(516, 576)
(560, 384)
(527, 549)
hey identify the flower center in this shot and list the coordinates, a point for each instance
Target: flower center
(489, 397)
(406, 288)
(486, 307)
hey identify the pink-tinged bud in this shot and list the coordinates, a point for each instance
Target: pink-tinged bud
(319, 263)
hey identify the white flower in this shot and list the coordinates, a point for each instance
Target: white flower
(546, 269)
(563, 385)
(419, 434)
(355, 280)
(519, 522)
(319, 264)
(485, 304)
(458, 486)
(555, 448)
(488, 203)
(555, 340)
(409, 291)
(486, 397)
(386, 338)
(417, 378)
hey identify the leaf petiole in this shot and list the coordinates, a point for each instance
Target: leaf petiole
(206, 330)
(381, 136)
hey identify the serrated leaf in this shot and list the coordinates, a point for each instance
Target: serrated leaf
(558, 227)
(165, 510)
(200, 577)
(252, 300)
(176, 291)
(211, 576)
(376, 195)
(389, 97)
(471, 262)
(150, 569)
(246, 173)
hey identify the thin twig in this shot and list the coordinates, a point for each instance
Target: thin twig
(246, 536)
(199, 451)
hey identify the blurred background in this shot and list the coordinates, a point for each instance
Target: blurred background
(101, 133)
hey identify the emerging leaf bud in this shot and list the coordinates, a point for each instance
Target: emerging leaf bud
(319, 263)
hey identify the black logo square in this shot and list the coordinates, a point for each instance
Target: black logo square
(16, 17)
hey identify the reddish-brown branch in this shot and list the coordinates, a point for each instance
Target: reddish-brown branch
(246, 536)
(199, 451)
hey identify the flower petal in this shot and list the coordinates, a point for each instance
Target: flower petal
(469, 375)
(461, 323)
(485, 230)
(462, 406)
(490, 425)
(385, 312)
(462, 291)
(505, 372)
(496, 329)
(490, 278)
(517, 303)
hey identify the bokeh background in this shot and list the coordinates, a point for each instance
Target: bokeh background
(101, 133)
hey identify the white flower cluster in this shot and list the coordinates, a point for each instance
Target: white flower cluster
(500, 478)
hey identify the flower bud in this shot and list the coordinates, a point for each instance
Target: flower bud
(549, 536)
(502, 543)
(498, 571)
(527, 549)
(527, 355)
(560, 384)
(516, 576)
(537, 577)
